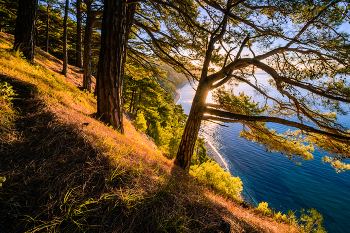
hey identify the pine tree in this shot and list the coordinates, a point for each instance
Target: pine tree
(312, 58)
(65, 51)
(25, 28)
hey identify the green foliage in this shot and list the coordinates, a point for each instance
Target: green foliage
(241, 103)
(211, 172)
(175, 141)
(163, 120)
(171, 80)
(6, 92)
(56, 31)
(7, 112)
(289, 143)
(336, 164)
(311, 221)
(140, 122)
(200, 152)
(280, 217)
(264, 208)
(2, 180)
(8, 12)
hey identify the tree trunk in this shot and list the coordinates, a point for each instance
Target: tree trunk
(136, 105)
(78, 48)
(90, 18)
(47, 26)
(193, 124)
(65, 53)
(116, 25)
(25, 28)
(132, 100)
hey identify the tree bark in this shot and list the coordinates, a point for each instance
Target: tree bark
(116, 25)
(65, 53)
(25, 28)
(131, 102)
(90, 18)
(193, 124)
(47, 26)
(78, 48)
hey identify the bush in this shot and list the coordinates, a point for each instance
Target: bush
(6, 92)
(311, 221)
(280, 217)
(264, 208)
(7, 112)
(211, 172)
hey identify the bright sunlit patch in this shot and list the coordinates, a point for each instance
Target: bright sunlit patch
(210, 98)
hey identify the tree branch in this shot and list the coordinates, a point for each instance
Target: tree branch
(156, 31)
(230, 116)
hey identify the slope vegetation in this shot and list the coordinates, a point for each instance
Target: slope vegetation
(67, 172)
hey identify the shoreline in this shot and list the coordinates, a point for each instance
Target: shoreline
(216, 156)
(177, 93)
(177, 96)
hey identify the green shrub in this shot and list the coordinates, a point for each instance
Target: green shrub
(211, 172)
(264, 208)
(200, 152)
(280, 217)
(2, 180)
(6, 92)
(311, 221)
(7, 112)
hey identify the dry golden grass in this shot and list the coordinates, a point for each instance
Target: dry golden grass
(67, 172)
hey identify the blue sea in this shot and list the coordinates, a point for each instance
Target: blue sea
(272, 177)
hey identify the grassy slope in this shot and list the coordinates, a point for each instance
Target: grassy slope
(67, 172)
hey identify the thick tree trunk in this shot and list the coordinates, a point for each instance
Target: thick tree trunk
(25, 28)
(65, 52)
(90, 18)
(116, 25)
(193, 124)
(78, 48)
(47, 27)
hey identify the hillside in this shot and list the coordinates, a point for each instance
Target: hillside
(67, 172)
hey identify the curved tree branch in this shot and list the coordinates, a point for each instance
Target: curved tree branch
(223, 115)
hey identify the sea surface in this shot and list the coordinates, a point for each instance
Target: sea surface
(272, 177)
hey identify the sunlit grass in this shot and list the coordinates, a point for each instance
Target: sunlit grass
(49, 84)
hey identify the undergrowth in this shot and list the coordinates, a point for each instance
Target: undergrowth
(211, 172)
(7, 112)
(307, 221)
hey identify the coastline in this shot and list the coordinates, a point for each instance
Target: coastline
(217, 157)
(177, 93)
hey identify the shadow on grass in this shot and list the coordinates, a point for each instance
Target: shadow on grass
(57, 182)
